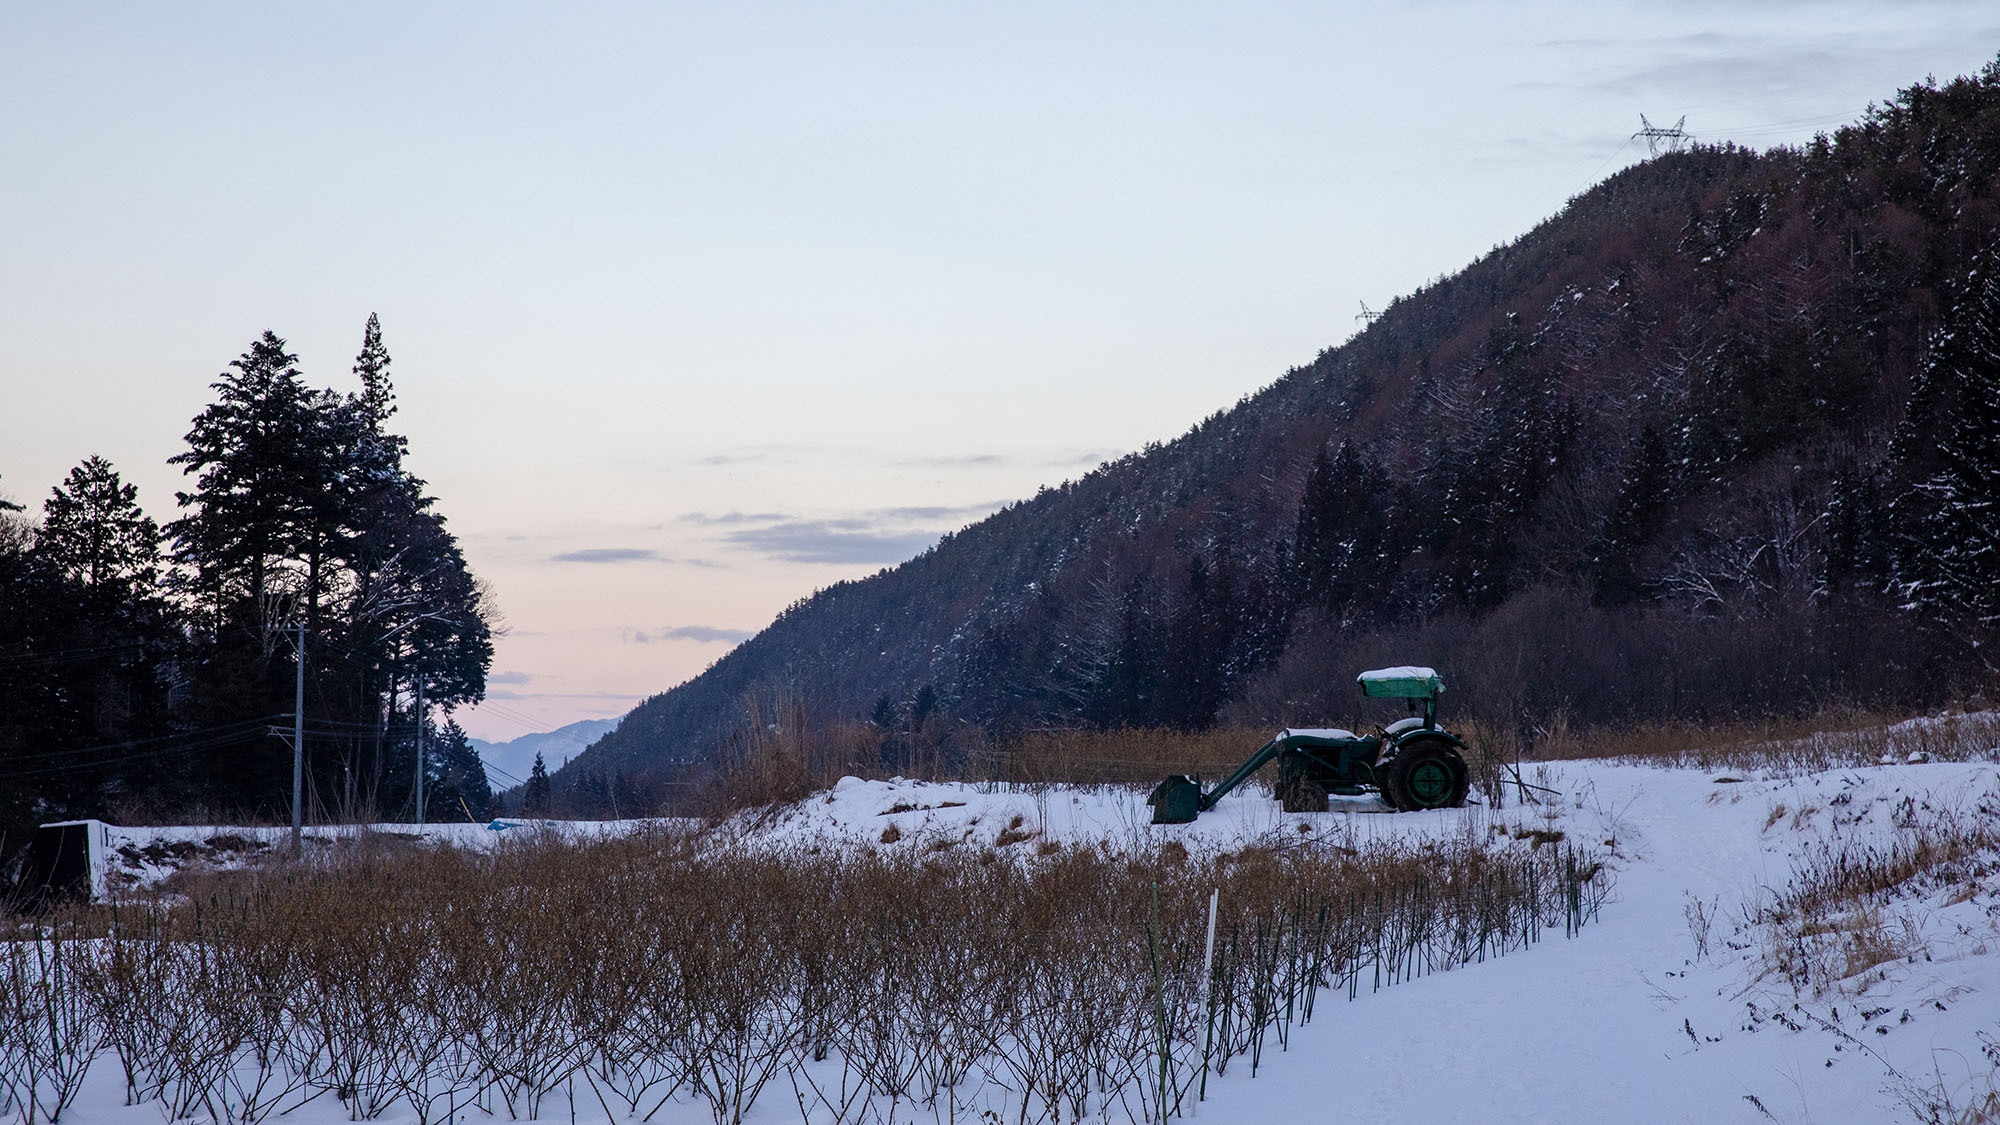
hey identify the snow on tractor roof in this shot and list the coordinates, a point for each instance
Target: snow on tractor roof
(1404, 682)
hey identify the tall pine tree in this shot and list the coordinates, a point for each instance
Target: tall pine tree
(259, 459)
(535, 794)
(95, 535)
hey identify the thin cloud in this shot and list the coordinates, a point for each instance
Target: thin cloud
(503, 693)
(967, 461)
(1739, 70)
(1083, 457)
(878, 536)
(700, 634)
(610, 555)
(743, 459)
(938, 512)
(731, 519)
(831, 541)
(508, 678)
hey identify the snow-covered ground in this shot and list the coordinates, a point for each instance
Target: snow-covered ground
(1651, 1014)
(1672, 1006)
(1628, 1022)
(141, 858)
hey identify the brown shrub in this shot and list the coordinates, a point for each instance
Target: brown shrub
(655, 966)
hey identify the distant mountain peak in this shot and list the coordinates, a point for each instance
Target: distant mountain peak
(507, 763)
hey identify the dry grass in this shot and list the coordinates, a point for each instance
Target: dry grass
(1837, 919)
(779, 755)
(1126, 756)
(1825, 741)
(422, 982)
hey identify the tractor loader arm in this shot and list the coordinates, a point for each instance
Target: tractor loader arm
(1255, 762)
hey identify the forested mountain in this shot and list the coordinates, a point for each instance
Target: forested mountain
(146, 670)
(1721, 438)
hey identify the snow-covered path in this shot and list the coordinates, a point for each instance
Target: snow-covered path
(1598, 1028)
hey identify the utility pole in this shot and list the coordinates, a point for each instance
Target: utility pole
(420, 752)
(299, 740)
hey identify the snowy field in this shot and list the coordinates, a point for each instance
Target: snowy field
(1649, 1014)
(1686, 1000)
(131, 859)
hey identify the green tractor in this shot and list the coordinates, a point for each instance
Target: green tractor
(1413, 763)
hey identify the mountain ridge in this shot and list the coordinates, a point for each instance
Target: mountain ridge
(1744, 326)
(511, 759)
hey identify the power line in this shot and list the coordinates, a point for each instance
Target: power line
(187, 742)
(129, 744)
(512, 781)
(66, 655)
(240, 737)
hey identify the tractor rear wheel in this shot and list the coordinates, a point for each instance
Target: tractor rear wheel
(1428, 774)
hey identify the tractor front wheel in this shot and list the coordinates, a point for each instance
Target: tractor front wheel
(1426, 775)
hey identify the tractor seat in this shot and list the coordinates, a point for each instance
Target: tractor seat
(1401, 725)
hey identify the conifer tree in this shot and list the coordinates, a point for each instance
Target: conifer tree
(535, 794)
(1634, 517)
(257, 451)
(95, 535)
(377, 400)
(415, 606)
(1337, 539)
(90, 589)
(1951, 559)
(456, 787)
(884, 717)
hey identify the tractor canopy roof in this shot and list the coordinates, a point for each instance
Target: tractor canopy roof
(1401, 683)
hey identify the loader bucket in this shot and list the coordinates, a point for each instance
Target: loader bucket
(1177, 800)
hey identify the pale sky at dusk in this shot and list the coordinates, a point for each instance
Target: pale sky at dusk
(695, 309)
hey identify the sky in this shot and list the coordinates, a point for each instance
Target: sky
(696, 309)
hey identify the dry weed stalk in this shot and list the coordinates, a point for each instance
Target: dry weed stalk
(1832, 921)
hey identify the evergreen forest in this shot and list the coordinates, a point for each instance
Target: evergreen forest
(151, 671)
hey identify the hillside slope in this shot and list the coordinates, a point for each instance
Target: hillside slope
(1642, 461)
